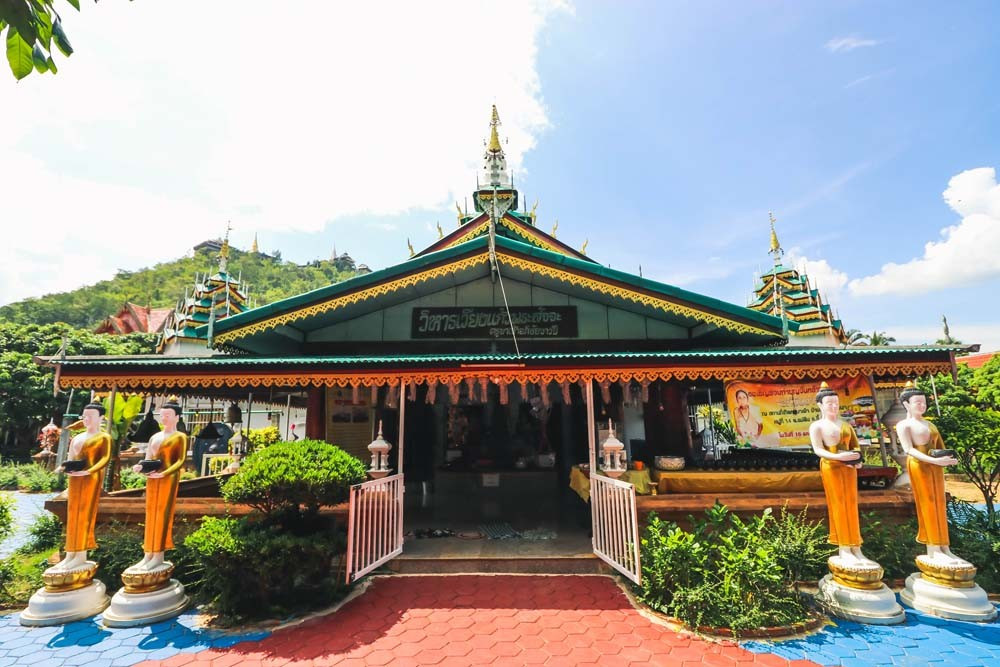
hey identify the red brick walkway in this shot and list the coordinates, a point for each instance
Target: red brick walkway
(480, 620)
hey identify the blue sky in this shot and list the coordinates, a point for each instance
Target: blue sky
(663, 132)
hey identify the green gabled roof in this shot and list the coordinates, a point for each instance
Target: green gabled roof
(479, 245)
(797, 294)
(799, 310)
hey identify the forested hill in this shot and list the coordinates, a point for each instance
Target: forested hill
(163, 285)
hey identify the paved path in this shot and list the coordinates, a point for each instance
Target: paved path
(482, 620)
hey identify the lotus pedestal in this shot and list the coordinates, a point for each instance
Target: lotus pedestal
(855, 592)
(68, 595)
(148, 596)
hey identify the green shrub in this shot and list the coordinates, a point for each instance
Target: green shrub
(20, 577)
(976, 538)
(256, 569)
(119, 545)
(132, 480)
(8, 477)
(800, 545)
(259, 438)
(45, 534)
(289, 481)
(891, 545)
(6, 517)
(726, 572)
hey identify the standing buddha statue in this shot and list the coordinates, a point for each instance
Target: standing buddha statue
(945, 585)
(854, 588)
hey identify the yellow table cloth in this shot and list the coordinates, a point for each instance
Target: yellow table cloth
(579, 481)
(731, 481)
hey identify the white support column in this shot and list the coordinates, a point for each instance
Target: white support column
(402, 423)
(591, 434)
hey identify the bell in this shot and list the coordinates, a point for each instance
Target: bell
(234, 415)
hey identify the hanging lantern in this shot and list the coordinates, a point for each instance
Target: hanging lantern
(234, 415)
(380, 455)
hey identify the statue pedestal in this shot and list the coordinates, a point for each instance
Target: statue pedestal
(969, 603)
(875, 606)
(148, 596)
(48, 608)
(69, 595)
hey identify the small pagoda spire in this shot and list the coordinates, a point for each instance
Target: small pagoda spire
(776, 252)
(255, 249)
(494, 146)
(224, 250)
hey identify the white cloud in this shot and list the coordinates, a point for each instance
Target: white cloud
(822, 275)
(987, 335)
(160, 127)
(967, 253)
(849, 43)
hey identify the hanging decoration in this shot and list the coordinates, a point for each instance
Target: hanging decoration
(432, 388)
(566, 395)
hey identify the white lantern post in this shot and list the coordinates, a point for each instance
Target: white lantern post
(380, 455)
(613, 452)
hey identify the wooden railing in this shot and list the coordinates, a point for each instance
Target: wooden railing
(616, 529)
(374, 525)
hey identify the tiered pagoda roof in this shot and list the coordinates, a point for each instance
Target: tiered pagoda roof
(133, 318)
(214, 298)
(786, 292)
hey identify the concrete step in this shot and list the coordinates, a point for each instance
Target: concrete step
(503, 565)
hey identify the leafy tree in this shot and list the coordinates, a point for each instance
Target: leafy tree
(879, 338)
(33, 27)
(26, 399)
(950, 392)
(855, 337)
(974, 434)
(986, 380)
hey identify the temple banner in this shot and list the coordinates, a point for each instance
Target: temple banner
(492, 322)
(766, 414)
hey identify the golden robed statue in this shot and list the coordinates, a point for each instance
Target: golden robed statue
(926, 459)
(87, 459)
(835, 442)
(166, 454)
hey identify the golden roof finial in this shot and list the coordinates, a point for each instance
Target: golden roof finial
(532, 214)
(555, 227)
(775, 246)
(410, 246)
(494, 146)
(255, 248)
(459, 209)
(583, 248)
(440, 231)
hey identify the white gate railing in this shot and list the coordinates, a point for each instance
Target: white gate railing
(374, 525)
(616, 528)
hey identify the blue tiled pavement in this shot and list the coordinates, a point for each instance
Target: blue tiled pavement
(922, 640)
(88, 643)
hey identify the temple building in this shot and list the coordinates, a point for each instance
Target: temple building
(212, 299)
(496, 360)
(133, 318)
(787, 293)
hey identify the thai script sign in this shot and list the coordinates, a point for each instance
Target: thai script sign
(772, 414)
(492, 322)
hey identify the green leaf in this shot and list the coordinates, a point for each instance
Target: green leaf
(75, 3)
(61, 40)
(40, 59)
(20, 16)
(44, 25)
(52, 65)
(18, 54)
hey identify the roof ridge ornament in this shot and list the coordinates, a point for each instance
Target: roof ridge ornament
(776, 251)
(494, 146)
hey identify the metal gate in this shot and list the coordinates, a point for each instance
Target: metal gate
(616, 528)
(374, 525)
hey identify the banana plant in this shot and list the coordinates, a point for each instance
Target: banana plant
(124, 413)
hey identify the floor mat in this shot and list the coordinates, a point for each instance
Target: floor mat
(538, 534)
(499, 530)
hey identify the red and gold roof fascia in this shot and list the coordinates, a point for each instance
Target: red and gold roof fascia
(161, 381)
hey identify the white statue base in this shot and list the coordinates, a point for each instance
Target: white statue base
(960, 604)
(903, 481)
(875, 606)
(49, 608)
(149, 596)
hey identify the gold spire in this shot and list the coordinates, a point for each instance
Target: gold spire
(410, 246)
(459, 209)
(255, 248)
(554, 228)
(532, 214)
(440, 231)
(775, 246)
(494, 146)
(583, 249)
(224, 250)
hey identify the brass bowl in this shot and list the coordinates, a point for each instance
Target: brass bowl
(60, 582)
(864, 578)
(952, 577)
(145, 582)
